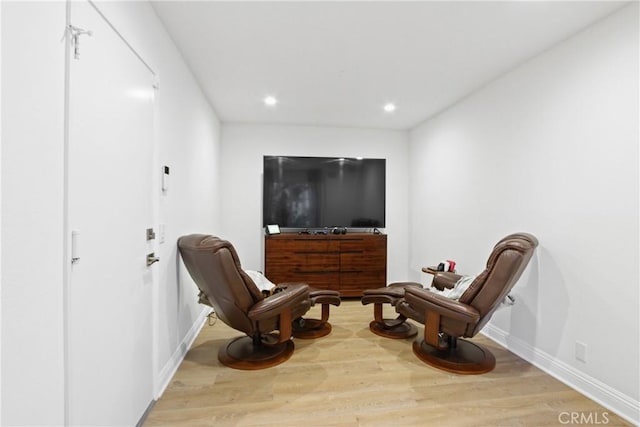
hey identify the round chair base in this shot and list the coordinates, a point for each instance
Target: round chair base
(466, 358)
(313, 328)
(399, 331)
(240, 353)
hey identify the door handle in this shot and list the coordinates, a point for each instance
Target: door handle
(152, 259)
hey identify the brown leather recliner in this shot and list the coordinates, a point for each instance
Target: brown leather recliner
(215, 267)
(446, 319)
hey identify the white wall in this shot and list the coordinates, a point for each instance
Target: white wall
(243, 147)
(32, 170)
(188, 138)
(0, 215)
(550, 148)
(32, 213)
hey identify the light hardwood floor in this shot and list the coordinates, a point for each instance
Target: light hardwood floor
(355, 378)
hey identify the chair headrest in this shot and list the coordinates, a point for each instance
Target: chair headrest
(200, 255)
(505, 265)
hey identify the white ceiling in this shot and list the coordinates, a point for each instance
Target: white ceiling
(337, 63)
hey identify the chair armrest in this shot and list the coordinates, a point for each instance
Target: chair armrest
(277, 303)
(423, 300)
(444, 280)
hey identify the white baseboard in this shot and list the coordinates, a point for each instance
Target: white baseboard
(610, 398)
(172, 365)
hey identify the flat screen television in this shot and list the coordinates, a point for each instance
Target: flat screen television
(318, 192)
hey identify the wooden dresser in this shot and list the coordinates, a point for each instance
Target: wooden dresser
(349, 263)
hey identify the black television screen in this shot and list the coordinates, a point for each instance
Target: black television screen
(317, 192)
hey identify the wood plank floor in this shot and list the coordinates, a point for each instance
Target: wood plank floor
(355, 378)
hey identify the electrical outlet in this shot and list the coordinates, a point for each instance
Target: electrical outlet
(581, 352)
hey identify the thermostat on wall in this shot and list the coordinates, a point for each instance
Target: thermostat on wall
(165, 178)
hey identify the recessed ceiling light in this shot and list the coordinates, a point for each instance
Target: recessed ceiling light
(270, 101)
(389, 107)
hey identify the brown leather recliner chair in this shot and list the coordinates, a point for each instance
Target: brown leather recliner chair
(215, 267)
(446, 319)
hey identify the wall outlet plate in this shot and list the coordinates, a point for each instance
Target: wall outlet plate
(581, 351)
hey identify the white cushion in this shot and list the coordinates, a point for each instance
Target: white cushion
(458, 289)
(261, 282)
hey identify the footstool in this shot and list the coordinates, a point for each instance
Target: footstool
(316, 328)
(389, 328)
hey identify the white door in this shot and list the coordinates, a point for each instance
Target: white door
(110, 206)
